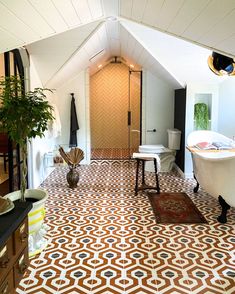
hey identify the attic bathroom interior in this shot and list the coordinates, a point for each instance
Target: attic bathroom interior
(143, 76)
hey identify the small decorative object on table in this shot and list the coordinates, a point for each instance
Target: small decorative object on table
(72, 158)
(5, 205)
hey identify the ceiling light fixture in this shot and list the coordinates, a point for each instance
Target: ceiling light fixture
(132, 66)
(221, 64)
(97, 55)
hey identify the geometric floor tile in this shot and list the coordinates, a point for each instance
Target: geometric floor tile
(103, 239)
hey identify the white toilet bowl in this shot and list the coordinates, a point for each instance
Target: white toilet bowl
(167, 155)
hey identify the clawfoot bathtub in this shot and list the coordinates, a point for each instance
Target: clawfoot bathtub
(214, 170)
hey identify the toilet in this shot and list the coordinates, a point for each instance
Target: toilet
(167, 155)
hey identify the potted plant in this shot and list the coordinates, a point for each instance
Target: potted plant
(23, 116)
(201, 116)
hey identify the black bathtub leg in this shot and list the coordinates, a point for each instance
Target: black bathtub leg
(225, 207)
(195, 189)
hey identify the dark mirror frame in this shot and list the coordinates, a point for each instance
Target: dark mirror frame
(14, 168)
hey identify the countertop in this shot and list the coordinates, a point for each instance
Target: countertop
(10, 221)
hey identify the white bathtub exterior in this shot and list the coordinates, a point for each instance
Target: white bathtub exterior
(214, 170)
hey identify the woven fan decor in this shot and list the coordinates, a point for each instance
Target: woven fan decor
(73, 157)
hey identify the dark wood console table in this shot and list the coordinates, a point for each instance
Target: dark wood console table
(13, 246)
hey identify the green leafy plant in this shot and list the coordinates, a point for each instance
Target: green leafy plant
(23, 116)
(201, 116)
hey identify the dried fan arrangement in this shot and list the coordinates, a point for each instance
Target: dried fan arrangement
(73, 159)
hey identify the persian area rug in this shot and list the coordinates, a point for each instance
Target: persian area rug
(175, 208)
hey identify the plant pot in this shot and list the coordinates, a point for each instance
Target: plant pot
(72, 178)
(37, 229)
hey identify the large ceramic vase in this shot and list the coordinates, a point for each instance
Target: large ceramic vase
(72, 178)
(37, 228)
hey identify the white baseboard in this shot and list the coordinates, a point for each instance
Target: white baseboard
(179, 171)
(188, 176)
(182, 174)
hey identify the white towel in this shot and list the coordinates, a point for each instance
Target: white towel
(147, 155)
(54, 126)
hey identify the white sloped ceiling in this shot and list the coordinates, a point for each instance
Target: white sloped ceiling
(135, 52)
(97, 49)
(173, 60)
(64, 37)
(182, 60)
(51, 54)
(26, 21)
(209, 23)
(109, 40)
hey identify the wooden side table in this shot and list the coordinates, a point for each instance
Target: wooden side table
(141, 161)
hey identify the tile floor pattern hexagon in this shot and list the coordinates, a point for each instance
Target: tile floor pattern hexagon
(103, 239)
(112, 153)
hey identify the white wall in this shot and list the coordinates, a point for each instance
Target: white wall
(193, 89)
(226, 115)
(158, 109)
(39, 146)
(79, 85)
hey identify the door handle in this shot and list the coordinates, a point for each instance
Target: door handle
(153, 130)
(129, 118)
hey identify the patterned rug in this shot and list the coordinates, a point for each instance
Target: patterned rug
(175, 208)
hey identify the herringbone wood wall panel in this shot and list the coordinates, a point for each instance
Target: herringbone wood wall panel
(109, 105)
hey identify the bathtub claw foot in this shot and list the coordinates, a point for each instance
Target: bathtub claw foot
(195, 189)
(225, 207)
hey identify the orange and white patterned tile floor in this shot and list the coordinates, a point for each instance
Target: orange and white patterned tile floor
(112, 153)
(103, 239)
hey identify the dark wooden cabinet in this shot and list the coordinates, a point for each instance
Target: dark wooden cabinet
(20, 266)
(14, 257)
(20, 236)
(6, 254)
(7, 286)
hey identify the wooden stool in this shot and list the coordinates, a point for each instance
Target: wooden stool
(143, 186)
